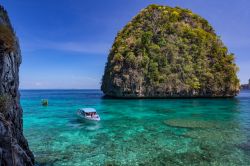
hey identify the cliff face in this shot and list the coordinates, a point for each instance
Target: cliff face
(14, 150)
(169, 52)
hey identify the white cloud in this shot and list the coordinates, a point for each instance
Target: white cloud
(38, 84)
(98, 48)
(74, 82)
(83, 78)
(70, 46)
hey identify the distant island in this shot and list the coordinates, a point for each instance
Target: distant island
(169, 52)
(246, 86)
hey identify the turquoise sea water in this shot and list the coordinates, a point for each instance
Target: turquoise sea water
(136, 132)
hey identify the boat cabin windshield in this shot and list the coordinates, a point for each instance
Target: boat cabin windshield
(90, 113)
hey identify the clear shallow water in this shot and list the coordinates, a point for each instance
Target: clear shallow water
(136, 132)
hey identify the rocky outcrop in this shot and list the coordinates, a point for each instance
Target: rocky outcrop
(169, 52)
(14, 150)
(246, 86)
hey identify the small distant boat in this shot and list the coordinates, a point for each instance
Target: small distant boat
(88, 113)
(45, 102)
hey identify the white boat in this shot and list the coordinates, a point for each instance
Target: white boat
(89, 114)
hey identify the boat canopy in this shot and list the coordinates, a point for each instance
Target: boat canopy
(88, 110)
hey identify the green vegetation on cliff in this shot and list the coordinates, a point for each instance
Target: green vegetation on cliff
(4, 102)
(165, 52)
(7, 36)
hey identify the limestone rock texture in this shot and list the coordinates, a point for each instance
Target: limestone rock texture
(166, 52)
(14, 150)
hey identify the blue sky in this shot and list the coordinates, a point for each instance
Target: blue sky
(65, 43)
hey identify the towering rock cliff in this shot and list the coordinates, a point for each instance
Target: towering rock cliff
(14, 150)
(169, 52)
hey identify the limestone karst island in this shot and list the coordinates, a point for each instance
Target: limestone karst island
(169, 52)
(124, 83)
